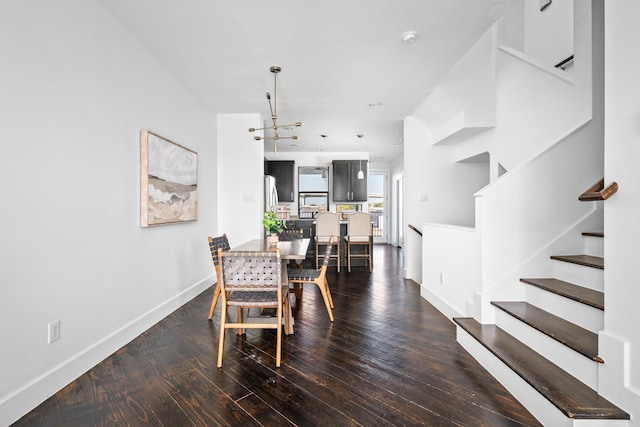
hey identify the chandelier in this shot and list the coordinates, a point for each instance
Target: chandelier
(274, 116)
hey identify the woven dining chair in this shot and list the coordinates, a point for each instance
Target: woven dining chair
(215, 243)
(253, 280)
(317, 277)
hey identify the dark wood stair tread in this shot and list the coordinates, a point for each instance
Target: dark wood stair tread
(575, 399)
(593, 233)
(573, 336)
(569, 290)
(586, 260)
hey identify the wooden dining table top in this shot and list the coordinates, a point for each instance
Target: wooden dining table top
(289, 249)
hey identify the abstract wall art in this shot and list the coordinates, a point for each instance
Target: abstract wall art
(168, 181)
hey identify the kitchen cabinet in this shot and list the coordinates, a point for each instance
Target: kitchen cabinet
(346, 185)
(284, 173)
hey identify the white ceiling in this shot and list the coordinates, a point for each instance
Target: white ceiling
(337, 57)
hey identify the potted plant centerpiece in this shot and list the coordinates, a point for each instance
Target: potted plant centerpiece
(273, 226)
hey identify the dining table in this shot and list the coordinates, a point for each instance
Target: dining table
(294, 249)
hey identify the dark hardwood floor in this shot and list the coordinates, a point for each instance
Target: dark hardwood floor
(390, 359)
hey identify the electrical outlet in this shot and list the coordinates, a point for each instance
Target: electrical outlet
(54, 331)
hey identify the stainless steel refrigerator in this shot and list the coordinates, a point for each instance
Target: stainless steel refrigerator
(270, 194)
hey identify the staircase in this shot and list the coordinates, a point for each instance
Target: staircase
(544, 350)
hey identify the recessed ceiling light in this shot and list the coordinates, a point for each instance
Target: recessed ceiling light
(409, 37)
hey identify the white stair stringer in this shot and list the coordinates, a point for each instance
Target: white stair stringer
(541, 408)
(576, 364)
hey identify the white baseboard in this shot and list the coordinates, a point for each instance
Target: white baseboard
(442, 306)
(40, 389)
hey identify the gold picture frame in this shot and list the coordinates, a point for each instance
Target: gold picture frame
(168, 181)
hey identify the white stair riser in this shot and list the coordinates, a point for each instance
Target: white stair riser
(600, 423)
(579, 366)
(575, 312)
(588, 277)
(594, 246)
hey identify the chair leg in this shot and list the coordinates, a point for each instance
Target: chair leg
(325, 297)
(287, 311)
(216, 294)
(338, 252)
(240, 330)
(297, 290)
(317, 251)
(279, 333)
(223, 321)
(326, 285)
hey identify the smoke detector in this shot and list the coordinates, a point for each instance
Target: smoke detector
(409, 37)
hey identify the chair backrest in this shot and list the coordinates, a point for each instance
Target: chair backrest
(215, 243)
(327, 224)
(290, 234)
(359, 224)
(327, 253)
(250, 271)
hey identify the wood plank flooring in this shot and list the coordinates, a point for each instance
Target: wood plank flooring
(389, 359)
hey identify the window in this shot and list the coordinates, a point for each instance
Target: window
(348, 207)
(313, 190)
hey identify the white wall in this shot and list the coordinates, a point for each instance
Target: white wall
(534, 107)
(240, 171)
(620, 341)
(444, 283)
(463, 103)
(535, 103)
(548, 35)
(437, 189)
(396, 234)
(77, 89)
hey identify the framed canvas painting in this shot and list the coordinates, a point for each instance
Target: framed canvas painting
(168, 181)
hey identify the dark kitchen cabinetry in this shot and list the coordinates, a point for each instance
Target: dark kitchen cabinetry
(284, 173)
(346, 185)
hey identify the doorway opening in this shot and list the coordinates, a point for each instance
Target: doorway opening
(377, 205)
